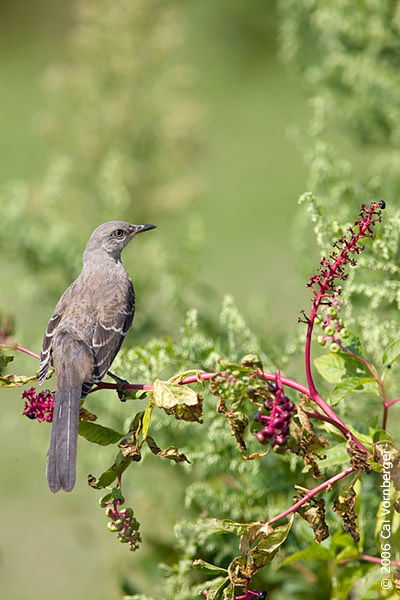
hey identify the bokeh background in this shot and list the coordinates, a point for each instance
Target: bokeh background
(187, 115)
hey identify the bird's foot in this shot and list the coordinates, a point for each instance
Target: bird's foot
(120, 383)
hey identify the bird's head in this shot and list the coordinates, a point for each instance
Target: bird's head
(112, 237)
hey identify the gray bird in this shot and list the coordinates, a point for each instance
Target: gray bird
(83, 337)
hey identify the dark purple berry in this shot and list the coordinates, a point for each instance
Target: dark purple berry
(266, 433)
(268, 404)
(260, 437)
(280, 440)
(273, 387)
(382, 204)
(262, 595)
(289, 406)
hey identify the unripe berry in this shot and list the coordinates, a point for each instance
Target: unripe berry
(321, 340)
(331, 311)
(329, 330)
(334, 348)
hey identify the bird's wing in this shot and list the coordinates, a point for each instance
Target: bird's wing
(112, 326)
(45, 355)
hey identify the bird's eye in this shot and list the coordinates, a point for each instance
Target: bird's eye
(119, 233)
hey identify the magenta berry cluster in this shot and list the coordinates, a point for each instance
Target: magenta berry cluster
(122, 522)
(276, 418)
(38, 406)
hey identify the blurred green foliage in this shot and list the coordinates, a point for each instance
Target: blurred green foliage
(349, 57)
(125, 134)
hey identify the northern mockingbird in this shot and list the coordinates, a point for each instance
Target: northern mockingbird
(83, 337)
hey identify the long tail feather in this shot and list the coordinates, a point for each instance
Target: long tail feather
(61, 458)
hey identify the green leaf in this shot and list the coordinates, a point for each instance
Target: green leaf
(119, 466)
(5, 360)
(335, 455)
(225, 526)
(352, 343)
(391, 353)
(347, 385)
(315, 551)
(146, 419)
(97, 434)
(207, 568)
(380, 434)
(216, 589)
(15, 380)
(171, 452)
(266, 549)
(335, 366)
(229, 592)
(346, 553)
(180, 400)
(331, 367)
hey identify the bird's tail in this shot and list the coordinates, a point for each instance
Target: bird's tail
(61, 458)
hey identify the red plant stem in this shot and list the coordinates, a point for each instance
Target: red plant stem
(374, 559)
(286, 381)
(375, 377)
(305, 499)
(314, 395)
(335, 421)
(311, 393)
(312, 493)
(103, 385)
(317, 415)
(393, 402)
(322, 293)
(21, 349)
(14, 346)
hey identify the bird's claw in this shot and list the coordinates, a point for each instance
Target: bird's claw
(120, 383)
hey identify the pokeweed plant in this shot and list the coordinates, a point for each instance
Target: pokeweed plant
(254, 407)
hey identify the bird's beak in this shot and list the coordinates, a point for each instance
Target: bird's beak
(140, 228)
